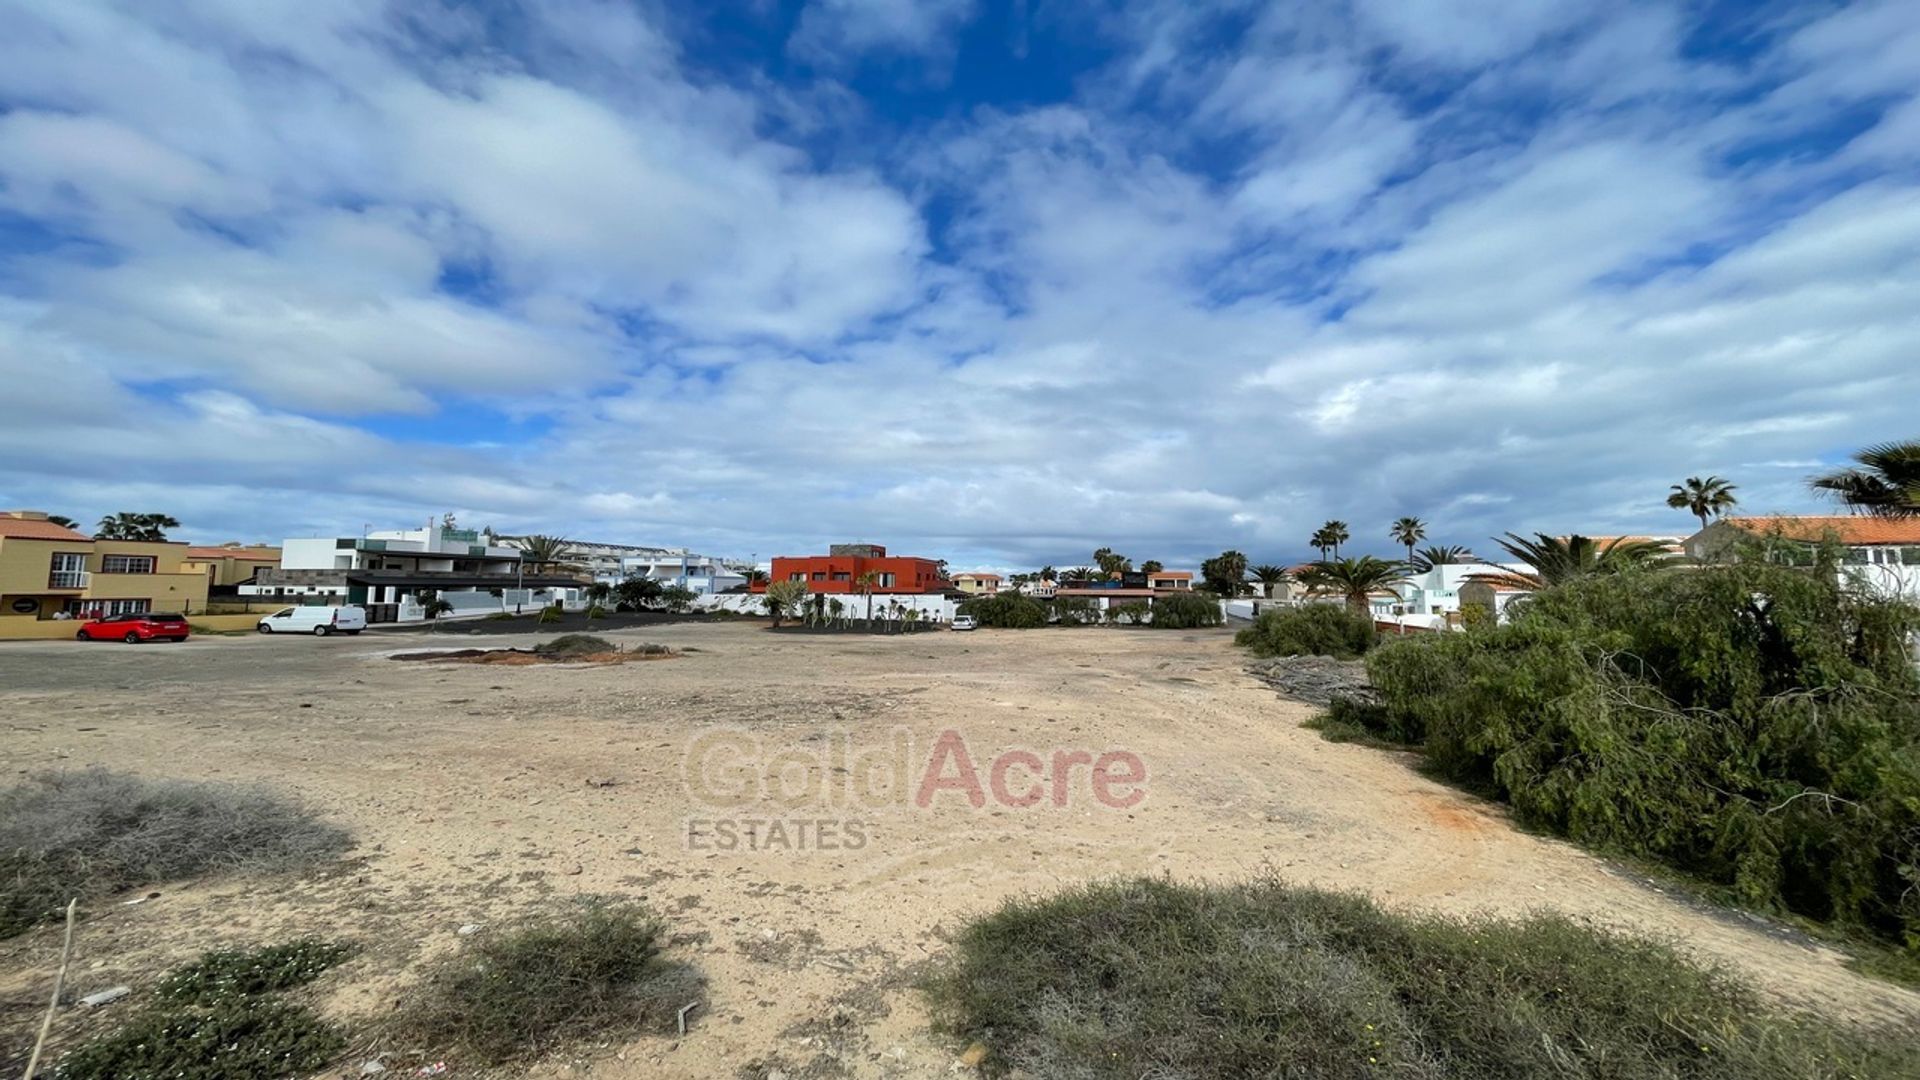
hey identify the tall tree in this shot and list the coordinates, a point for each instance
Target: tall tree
(62, 519)
(1705, 498)
(1553, 560)
(1336, 535)
(1322, 541)
(1047, 574)
(135, 527)
(1225, 573)
(1152, 566)
(1355, 580)
(1409, 531)
(1269, 575)
(1111, 562)
(1885, 481)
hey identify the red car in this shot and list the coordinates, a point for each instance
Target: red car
(134, 629)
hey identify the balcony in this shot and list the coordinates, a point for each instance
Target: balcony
(68, 579)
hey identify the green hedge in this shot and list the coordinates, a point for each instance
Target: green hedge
(1185, 611)
(1309, 630)
(1754, 725)
(1009, 610)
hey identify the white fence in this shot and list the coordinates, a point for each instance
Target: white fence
(852, 606)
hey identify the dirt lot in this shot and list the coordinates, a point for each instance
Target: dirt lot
(479, 791)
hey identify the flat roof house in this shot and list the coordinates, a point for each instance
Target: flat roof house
(232, 564)
(394, 567)
(840, 570)
(47, 569)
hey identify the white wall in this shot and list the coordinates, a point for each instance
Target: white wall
(315, 553)
(930, 606)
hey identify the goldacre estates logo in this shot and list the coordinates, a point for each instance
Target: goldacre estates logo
(811, 798)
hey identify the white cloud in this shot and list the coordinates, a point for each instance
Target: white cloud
(1505, 268)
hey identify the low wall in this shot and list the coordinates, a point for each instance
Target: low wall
(24, 628)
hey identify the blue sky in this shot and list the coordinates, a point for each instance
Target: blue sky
(995, 281)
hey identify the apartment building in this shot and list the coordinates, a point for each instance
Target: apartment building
(49, 570)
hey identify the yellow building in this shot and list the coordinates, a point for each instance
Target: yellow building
(979, 583)
(47, 569)
(231, 564)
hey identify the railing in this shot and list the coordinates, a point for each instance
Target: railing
(68, 579)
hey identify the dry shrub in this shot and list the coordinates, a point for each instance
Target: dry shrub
(89, 834)
(1150, 978)
(593, 971)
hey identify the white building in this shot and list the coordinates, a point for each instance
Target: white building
(703, 574)
(1881, 554)
(389, 571)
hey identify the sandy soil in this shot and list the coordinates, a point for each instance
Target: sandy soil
(477, 792)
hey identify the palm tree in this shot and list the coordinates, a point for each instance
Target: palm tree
(1354, 579)
(1111, 562)
(1083, 573)
(63, 520)
(1441, 555)
(1268, 576)
(545, 552)
(125, 526)
(1336, 533)
(1555, 560)
(1152, 566)
(1409, 531)
(756, 577)
(866, 582)
(1321, 541)
(1705, 499)
(1885, 484)
(1046, 574)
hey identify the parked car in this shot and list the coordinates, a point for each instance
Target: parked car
(964, 622)
(316, 620)
(134, 629)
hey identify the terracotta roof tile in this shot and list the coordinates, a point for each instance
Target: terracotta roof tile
(1847, 529)
(35, 529)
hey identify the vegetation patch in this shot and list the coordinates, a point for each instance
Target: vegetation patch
(1309, 630)
(594, 971)
(575, 645)
(1752, 725)
(239, 1040)
(1185, 611)
(1007, 610)
(90, 834)
(226, 974)
(218, 1019)
(1152, 978)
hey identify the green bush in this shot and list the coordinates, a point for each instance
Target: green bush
(594, 971)
(225, 974)
(1074, 610)
(1135, 613)
(550, 615)
(1754, 725)
(1309, 630)
(93, 833)
(1009, 610)
(240, 1040)
(1186, 611)
(1153, 978)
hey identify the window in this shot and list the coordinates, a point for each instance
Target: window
(886, 581)
(69, 571)
(819, 575)
(1856, 557)
(796, 576)
(126, 564)
(108, 608)
(842, 575)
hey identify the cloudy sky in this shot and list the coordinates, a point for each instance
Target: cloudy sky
(994, 280)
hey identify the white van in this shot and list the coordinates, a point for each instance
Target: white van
(318, 621)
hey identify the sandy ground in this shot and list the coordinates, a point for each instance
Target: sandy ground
(480, 792)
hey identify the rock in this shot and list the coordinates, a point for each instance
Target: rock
(106, 997)
(370, 1068)
(574, 869)
(468, 930)
(974, 1055)
(601, 781)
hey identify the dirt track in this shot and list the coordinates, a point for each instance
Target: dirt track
(477, 790)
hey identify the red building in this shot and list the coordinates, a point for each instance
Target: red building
(840, 571)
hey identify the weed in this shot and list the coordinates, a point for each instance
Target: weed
(574, 645)
(238, 1040)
